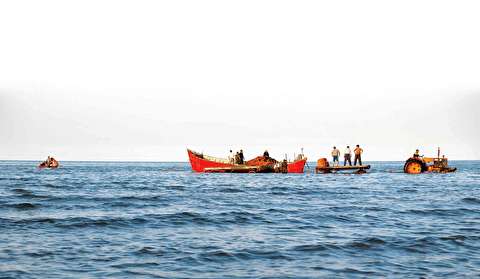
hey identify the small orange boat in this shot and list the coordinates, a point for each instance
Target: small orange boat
(260, 164)
(50, 163)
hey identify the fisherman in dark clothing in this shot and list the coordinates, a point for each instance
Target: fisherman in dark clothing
(358, 155)
(416, 154)
(265, 154)
(284, 166)
(241, 156)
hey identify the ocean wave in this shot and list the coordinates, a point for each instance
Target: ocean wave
(471, 200)
(135, 265)
(108, 199)
(147, 250)
(261, 254)
(440, 211)
(231, 190)
(28, 194)
(366, 243)
(39, 254)
(171, 219)
(311, 247)
(182, 218)
(348, 271)
(455, 238)
(24, 206)
(217, 256)
(74, 222)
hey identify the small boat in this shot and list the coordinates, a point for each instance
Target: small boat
(260, 164)
(324, 167)
(50, 164)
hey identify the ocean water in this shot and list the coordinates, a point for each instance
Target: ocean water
(160, 220)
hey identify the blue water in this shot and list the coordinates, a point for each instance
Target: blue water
(160, 220)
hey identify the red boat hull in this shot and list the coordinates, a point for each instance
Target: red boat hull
(199, 163)
(297, 166)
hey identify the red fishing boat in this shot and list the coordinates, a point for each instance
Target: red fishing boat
(204, 163)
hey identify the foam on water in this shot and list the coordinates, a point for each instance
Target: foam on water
(102, 220)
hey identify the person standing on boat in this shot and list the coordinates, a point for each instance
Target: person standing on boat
(266, 154)
(347, 156)
(358, 155)
(231, 158)
(237, 158)
(335, 155)
(241, 156)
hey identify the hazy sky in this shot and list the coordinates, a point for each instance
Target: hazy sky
(144, 80)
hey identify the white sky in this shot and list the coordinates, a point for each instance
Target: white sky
(144, 80)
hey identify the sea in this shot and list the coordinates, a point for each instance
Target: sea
(161, 220)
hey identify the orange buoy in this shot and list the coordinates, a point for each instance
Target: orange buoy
(322, 163)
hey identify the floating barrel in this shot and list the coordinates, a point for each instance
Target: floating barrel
(322, 163)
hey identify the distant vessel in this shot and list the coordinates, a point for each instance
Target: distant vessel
(324, 167)
(260, 164)
(50, 163)
(418, 164)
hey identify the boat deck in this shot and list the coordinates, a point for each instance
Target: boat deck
(358, 169)
(239, 169)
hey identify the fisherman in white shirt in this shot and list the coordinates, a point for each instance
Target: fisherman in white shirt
(348, 156)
